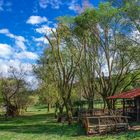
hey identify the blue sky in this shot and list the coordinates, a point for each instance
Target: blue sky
(23, 24)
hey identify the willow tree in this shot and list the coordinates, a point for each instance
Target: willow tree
(86, 69)
(112, 49)
(117, 58)
(45, 71)
(63, 50)
(130, 11)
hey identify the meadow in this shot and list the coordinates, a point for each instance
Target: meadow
(37, 124)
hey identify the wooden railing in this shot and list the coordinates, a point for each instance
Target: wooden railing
(105, 124)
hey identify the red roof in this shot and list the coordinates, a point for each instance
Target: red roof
(127, 95)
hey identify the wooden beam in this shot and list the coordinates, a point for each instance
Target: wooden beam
(138, 108)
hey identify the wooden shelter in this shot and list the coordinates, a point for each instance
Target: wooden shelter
(104, 124)
(131, 103)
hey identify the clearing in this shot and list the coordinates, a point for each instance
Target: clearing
(37, 124)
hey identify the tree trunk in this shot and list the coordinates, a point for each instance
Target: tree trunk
(68, 111)
(48, 107)
(69, 114)
(109, 104)
(90, 104)
(104, 107)
(12, 111)
(60, 114)
(56, 110)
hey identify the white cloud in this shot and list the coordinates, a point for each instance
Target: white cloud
(5, 50)
(135, 35)
(18, 65)
(7, 33)
(3, 67)
(19, 40)
(55, 4)
(27, 55)
(44, 29)
(43, 3)
(41, 40)
(26, 68)
(74, 6)
(36, 20)
(4, 31)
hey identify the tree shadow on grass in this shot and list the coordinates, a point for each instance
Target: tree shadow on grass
(46, 129)
(28, 119)
(40, 124)
(46, 124)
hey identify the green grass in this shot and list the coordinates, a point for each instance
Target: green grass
(37, 124)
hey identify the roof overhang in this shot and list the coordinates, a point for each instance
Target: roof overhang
(126, 95)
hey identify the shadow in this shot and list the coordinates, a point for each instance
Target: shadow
(40, 124)
(47, 125)
(28, 118)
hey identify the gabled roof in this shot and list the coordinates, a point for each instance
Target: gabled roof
(127, 95)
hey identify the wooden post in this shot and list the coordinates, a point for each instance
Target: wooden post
(113, 104)
(138, 108)
(123, 106)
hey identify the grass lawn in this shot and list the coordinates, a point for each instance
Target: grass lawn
(39, 125)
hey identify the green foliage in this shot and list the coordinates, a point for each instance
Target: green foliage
(67, 20)
(48, 95)
(93, 53)
(106, 13)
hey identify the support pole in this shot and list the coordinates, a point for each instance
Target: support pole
(138, 109)
(123, 106)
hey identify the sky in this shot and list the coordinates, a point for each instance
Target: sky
(23, 24)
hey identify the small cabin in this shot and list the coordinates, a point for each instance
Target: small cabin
(130, 103)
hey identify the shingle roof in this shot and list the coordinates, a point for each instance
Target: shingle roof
(127, 95)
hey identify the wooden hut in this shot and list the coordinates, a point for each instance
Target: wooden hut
(131, 103)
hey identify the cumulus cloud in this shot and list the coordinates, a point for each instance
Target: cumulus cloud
(11, 57)
(3, 67)
(5, 50)
(44, 29)
(19, 40)
(27, 55)
(55, 4)
(41, 40)
(74, 6)
(4, 31)
(27, 68)
(16, 63)
(36, 20)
